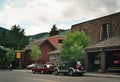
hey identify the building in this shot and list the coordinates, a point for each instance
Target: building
(47, 45)
(103, 51)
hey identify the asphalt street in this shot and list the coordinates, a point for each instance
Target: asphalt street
(15, 76)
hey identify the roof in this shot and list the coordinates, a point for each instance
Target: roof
(111, 42)
(53, 40)
(34, 43)
(54, 52)
(117, 13)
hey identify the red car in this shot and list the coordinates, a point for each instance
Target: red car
(43, 69)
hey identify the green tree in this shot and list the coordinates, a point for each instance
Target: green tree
(3, 33)
(54, 31)
(2, 57)
(10, 55)
(35, 53)
(16, 38)
(73, 46)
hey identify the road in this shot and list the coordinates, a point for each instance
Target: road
(14, 76)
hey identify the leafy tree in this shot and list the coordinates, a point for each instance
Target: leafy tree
(73, 46)
(3, 33)
(10, 55)
(35, 53)
(54, 31)
(16, 38)
(2, 57)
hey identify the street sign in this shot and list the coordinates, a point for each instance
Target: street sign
(18, 55)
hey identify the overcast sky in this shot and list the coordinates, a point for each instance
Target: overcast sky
(37, 16)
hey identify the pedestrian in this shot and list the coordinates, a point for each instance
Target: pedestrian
(10, 66)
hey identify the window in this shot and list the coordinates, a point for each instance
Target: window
(54, 57)
(60, 41)
(105, 31)
(97, 59)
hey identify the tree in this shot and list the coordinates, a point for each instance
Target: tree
(54, 31)
(16, 38)
(10, 55)
(2, 57)
(73, 46)
(3, 33)
(35, 53)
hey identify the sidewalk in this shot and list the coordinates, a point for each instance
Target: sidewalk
(90, 74)
(106, 75)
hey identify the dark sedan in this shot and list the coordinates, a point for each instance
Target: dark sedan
(43, 69)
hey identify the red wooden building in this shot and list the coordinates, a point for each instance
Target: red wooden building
(46, 45)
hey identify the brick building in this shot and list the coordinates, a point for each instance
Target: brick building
(103, 51)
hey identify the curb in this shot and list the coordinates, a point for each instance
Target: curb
(102, 75)
(86, 74)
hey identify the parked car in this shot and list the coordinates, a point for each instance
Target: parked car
(32, 66)
(43, 69)
(71, 68)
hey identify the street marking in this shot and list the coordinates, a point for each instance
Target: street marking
(35, 79)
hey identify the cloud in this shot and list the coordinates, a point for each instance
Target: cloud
(37, 16)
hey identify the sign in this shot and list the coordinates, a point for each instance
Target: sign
(18, 55)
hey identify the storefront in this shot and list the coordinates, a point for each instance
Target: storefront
(104, 55)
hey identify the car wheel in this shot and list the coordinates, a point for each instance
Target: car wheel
(71, 73)
(33, 71)
(56, 72)
(42, 72)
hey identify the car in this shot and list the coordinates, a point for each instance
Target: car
(71, 68)
(32, 66)
(43, 69)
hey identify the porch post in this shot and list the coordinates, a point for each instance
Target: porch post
(86, 58)
(102, 65)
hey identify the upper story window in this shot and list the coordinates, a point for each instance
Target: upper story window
(105, 31)
(60, 41)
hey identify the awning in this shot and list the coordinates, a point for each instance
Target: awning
(54, 52)
(110, 43)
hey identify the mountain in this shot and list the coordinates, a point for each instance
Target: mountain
(37, 36)
(3, 30)
(46, 34)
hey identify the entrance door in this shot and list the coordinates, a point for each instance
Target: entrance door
(93, 61)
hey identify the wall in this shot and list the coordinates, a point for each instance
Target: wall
(93, 27)
(46, 47)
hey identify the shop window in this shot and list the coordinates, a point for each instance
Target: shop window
(54, 57)
(116, 56)
(97, 59)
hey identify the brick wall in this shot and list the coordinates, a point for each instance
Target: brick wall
(93, 27)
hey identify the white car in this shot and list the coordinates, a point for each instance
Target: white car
(32, 65)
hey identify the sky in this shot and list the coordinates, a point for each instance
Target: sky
(38, 16)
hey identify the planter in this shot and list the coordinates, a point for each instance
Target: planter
(100, 70)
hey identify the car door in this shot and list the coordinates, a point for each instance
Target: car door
(63, 68)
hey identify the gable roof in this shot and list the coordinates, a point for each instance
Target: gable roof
(111, 42)
(34, 43)
(53, 40)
